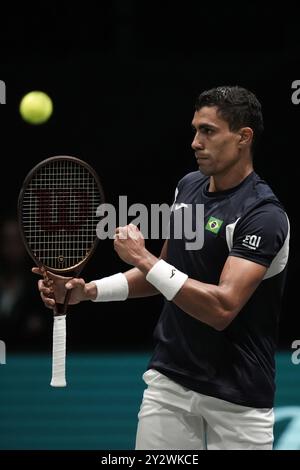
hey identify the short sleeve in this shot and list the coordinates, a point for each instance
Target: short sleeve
(260, 235)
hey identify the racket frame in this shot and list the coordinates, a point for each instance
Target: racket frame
(59, 310)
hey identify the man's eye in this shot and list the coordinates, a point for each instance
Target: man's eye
(203, 130)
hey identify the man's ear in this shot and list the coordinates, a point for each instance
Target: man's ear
(246, 136)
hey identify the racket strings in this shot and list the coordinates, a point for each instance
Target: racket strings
(59, 213)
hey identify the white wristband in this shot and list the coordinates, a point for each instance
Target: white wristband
(166, 278)
(112, 288)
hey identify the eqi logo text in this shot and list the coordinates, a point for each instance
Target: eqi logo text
(251, 241)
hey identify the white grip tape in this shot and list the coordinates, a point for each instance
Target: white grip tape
(112, 288)
(166, 278)
(59, 352)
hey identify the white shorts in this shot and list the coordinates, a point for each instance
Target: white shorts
(174, 417)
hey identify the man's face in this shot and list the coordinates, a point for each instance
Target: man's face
(216, 147)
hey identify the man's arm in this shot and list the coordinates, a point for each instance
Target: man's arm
(215, 305)
(218, 305)
(137, 284)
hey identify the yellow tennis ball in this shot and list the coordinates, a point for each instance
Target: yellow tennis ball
(36, 107)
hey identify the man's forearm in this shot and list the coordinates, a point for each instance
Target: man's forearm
(138, 286)
(136, 279)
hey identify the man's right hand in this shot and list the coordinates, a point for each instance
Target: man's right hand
(57, 286)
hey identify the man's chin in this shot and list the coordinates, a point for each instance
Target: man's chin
(205, 171)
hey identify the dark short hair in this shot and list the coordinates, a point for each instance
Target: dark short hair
(238, 106)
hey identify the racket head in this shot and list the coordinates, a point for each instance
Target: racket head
(57, 213)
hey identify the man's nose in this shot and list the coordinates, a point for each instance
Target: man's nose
(197, 143)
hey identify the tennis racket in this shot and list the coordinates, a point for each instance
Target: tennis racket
(57, 217)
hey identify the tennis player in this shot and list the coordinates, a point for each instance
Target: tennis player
(211, 378)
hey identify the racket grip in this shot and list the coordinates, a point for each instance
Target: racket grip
(59, 352)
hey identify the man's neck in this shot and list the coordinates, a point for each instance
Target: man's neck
(229, 180)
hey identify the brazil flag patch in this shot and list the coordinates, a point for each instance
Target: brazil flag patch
(213, 224)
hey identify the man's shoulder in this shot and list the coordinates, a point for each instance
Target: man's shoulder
(259, 193)
(263, 188)
(262, 206)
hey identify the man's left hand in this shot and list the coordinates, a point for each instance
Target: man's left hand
(130, 244)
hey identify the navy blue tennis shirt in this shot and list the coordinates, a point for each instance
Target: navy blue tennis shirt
(236, 364)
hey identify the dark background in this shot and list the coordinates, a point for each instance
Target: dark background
(123, 77)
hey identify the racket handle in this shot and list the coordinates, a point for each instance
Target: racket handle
(59, 352)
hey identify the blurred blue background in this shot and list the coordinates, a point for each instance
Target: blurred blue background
(98, 409)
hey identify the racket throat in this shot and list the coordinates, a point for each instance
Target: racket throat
(61, 309)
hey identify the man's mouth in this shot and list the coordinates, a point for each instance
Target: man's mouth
(201, 158)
